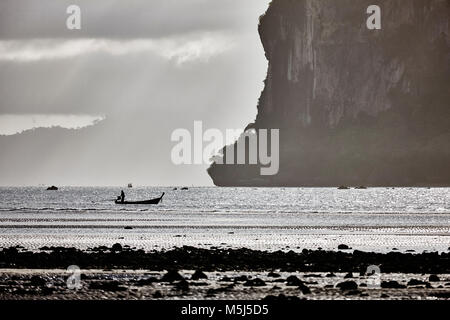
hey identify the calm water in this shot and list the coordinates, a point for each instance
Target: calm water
(262, 218)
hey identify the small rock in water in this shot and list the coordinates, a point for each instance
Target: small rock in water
(255, 283)
(392, 285)
(107, 286)
(116, 247)
(434, 278)
(347, 285)
(348, 275)
(273, 275)
(352, 292)
(415, 282)
(330, 275)
(171, 276)
(147, 281)
(304, 289)
(128, 228)
(293, 281)
(37, 281)
(241, 278)
(199, 275)
(183, 285)
(157, 295)
(343, 247)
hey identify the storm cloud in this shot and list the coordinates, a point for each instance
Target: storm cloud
(147, 67)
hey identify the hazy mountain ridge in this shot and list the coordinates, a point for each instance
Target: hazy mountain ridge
(354, 106)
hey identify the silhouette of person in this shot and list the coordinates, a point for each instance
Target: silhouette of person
(122, 196)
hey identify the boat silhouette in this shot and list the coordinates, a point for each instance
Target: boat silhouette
(151, 201)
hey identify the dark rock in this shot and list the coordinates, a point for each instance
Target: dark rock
(116, 247)
(415, 282)
(304, 289)
(183, 285)
(157, 295)
(352, 292)
(280, 298)
(392, 285)
(293, 281)
(330, 275)
(347, 285)
(255, 283)
(273, 275)
(242, 278)
(171, 276)
(47, 290)
(442, 295)
(199, 284)
(107, 286)
(434, 278)
(37, 281)
(226, 279)
(312, 276)
(128, 228)
(314, 116)
(147, 281)
(384, 296)
(343, 188)
(199, 275)
(343, 247)
(348, 275)
(52, 188)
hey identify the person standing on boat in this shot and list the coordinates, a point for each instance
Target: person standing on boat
(122, 196)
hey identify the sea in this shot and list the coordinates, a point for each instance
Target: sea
(373, 219)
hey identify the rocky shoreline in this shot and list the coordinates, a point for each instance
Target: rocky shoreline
(190, 258)
(192, 273)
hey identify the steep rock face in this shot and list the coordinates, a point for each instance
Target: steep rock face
(353, 105)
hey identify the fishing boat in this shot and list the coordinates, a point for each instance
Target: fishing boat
(151, 201)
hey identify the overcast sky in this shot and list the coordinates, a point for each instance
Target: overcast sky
(97, 106)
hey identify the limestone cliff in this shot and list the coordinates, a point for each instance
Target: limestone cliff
(354, 106)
